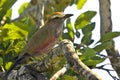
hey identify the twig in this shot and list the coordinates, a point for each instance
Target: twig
(60, 72)
(107, 70)
(39, 17)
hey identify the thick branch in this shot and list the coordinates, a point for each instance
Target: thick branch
(105, 16)
(106, 26)
(76, 63)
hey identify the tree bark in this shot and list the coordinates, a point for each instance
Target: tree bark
(106, 26)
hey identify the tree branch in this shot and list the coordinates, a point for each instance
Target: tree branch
(60, 72)
(74, 61)
(106, 26)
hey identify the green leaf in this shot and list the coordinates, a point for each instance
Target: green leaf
(65, 36)
(89, 57)
(87, 53)
(69, 77)
(77, 34)
(88, 28)
(106, 45)
(12, 31)
(84, 19)
(93, 61)
(109, 36)
(8, 65)
(81, 3)
(31, 29)
(86, 39)
(23, 6)
(21, 25)
(9, 13)
(18, 46)
(1, 61)
(5, 5)
(70, 29)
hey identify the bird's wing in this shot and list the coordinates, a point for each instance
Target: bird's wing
(40, 42)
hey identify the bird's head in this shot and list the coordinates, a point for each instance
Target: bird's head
(56, 21)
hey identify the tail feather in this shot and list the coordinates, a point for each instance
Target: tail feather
(18, 61)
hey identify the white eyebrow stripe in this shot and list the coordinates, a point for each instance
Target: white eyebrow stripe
(54, 16)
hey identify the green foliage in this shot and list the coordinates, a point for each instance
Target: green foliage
(88, 28)
(68, 77)
(86, 39)
(8, 65)
(84, 19)
(77, 34)
(8, 14)
(109, 36)
(22, 8)
(5, 5)
(87, 34)
(80, 3)
(106, 41)
(13, 34)
(13, 31)
(102, 46)
(84, 23)
(1, 61)
(70, 29)
(89, 57)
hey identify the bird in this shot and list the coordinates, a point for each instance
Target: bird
(44, 39)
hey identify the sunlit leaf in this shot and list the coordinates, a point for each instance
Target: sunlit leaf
(23, 6)
(81, 3)
(12, 31)
(5, 5)
(19, 45)
(84, 19)
(9, 13)
(8, 65)
(69, 77)
(70, 29)
(109, 36)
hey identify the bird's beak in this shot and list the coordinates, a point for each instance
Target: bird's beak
(68, 15)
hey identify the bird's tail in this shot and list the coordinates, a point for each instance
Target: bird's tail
(18, 61)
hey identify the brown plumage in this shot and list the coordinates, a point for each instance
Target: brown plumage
(44, 39)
